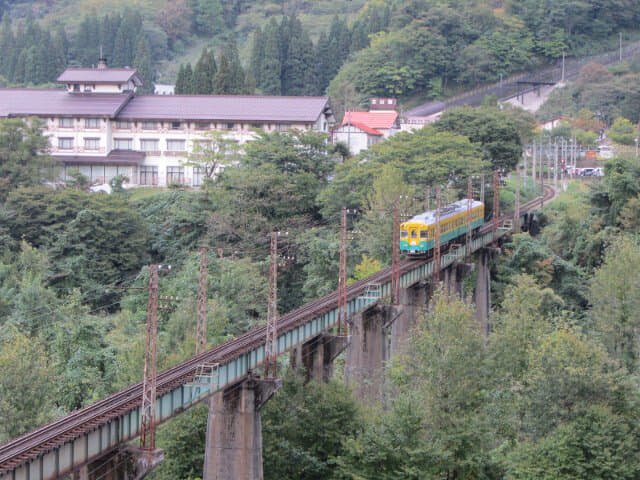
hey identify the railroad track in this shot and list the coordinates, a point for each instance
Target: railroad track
(31, 445)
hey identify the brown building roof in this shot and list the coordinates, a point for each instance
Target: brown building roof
(99, 75)
(22, 102)
(115, 157)
(226, 108)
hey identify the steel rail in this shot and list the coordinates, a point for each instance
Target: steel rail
(19, 450)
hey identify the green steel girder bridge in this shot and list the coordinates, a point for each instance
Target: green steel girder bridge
(93, 432)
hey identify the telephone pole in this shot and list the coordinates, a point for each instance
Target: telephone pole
(148, 408)
(516, 216)
(436, 245)
(496, 207)
(271, 343)
(201, 328)
(469, 216)
(343, 330)
(395, 256)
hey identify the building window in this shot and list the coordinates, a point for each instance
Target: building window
(175, 145)
(176, 125)
(148, 175)
(123, 124)
(175, 175)
(229, 126)
(282, 127)
(65, 143)
(202, 125)
(91, 123)
(76, 87)
(91, 143)
(198, 176)
(149, 145)
(65, 123)
(149, 125)
(256, 125)
(123, 143)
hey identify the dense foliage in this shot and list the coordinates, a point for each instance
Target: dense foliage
(472, 42)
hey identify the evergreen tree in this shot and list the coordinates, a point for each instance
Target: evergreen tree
(19, 69)
(7, 46)
(142, 63)
(222, 82)
(187, 80)
(179, 86)
(202, 79)
(269, 81)
(125, 41)
(297, 73)
(257, 53)
(60, 49)
(322, 63)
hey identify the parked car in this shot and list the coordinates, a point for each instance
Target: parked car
(588, 172)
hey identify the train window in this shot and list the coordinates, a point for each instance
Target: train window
(404, 234)
(424, 234)
(414, 234)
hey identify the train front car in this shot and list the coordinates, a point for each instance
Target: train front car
(417, 235)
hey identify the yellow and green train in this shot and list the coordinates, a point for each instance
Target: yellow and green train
(417, 235)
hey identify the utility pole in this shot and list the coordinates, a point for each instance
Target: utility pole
(436, 245)
(148, 407)
(271, 343)
(427, 202)
(555, 166)
(201, 328)
(343, 330)
(496, 207)
(395, 256)
(620, 47)
(516, 216)
(469, 217)
(541, 183)
(533, 164)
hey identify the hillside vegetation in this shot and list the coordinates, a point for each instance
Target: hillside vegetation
(361, 49)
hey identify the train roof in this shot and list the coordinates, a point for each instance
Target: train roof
(429, 218)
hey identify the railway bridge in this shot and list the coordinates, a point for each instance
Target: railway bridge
(98, 434)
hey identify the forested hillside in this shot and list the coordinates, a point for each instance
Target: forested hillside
(354, 49)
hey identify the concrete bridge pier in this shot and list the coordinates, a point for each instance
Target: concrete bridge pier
(367, 352)
(454, 276)
(316, 356)
(234, 431)
(413, 300)
(482, 294)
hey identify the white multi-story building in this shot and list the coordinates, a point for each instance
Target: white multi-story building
(99, 126)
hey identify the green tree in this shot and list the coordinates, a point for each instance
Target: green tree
(616, 303)
(622, 131)
(271, 68)
(207, 17)
(598, 444)
(23, 159)
(213, 153)
(494, 131)
(26, 385)
(142, 63)
(295, 444)
(434, 427)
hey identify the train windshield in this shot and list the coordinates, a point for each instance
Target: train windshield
(424, 234)
(404, 234)
(414, 234)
